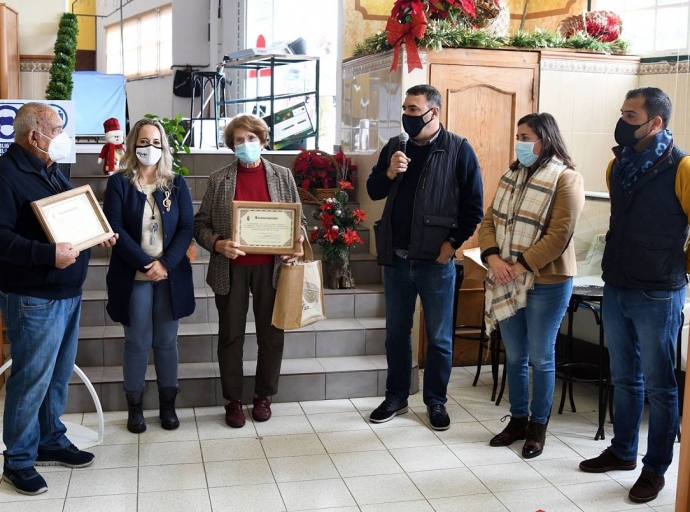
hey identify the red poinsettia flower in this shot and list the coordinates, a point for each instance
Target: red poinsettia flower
(359, 215)
(345, 185)
(351, 237)
(331, 235)
(326, 220)
(326, 206)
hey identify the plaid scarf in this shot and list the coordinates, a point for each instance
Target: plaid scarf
(519, 213)
(631, 165)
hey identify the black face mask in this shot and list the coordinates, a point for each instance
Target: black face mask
(625, 132)
(414, 124)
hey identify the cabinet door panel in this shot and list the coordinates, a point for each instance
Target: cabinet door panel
(483, 104)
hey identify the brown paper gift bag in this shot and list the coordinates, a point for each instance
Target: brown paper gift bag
(299, 296)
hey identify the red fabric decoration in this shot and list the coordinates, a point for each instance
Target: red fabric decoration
(398, 33)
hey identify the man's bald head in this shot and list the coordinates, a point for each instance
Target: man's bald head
(34, 126)
(35, 116)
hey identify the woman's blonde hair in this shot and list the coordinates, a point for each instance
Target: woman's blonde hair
(249, 122)
(129, 164)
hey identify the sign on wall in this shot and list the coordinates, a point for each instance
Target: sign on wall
(8, 111)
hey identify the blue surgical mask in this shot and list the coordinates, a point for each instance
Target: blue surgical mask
(249, 152)
(525, 152)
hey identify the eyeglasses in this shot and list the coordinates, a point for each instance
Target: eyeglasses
(249, 138)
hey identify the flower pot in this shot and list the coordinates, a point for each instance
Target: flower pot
(339, 274)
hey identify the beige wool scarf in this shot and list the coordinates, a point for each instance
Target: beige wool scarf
(520, 208)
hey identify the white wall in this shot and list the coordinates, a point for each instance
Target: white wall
(190, 46)
(38, 24)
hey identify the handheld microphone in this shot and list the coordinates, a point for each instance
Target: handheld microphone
(404, 137)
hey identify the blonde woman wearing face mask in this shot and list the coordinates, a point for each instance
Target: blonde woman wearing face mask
(232, 274)
(150, 277)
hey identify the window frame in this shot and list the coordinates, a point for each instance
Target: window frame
(674, 52)
(160, 69)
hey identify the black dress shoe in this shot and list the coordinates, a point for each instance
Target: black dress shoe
(514, 431)
(607, 461)
(438, 416)
(647, 487)
(388, 410)
(536, 438)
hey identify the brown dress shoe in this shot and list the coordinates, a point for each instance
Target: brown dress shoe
(515, 430)
(607, 461)
(234, 416)
(647, 487)
(536, 438)
(262, 408)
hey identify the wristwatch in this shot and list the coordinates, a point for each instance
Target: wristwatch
(454, 243)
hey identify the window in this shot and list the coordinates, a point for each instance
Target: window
(145, 45)
(653, 27)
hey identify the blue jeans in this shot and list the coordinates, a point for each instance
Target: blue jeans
(150, 325)
(43, 343)
(530, 336)
(641, 332)
(435, 284)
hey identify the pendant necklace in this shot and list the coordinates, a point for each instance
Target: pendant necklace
(153, 226)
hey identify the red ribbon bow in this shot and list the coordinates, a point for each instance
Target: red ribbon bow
(397, 33)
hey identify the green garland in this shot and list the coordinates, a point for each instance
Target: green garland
(444, 34)
(60, 85)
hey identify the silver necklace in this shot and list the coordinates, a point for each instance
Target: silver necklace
(153, 227)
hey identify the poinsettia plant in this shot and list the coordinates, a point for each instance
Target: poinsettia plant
(409, 19)
(456, 10)
(316, 169)
(338, 229)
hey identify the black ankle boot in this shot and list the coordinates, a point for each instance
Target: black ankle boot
(536, 438)
(515, 430)
(166, 397)
(135, 419)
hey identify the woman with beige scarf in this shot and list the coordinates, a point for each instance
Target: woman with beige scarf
(526, 239)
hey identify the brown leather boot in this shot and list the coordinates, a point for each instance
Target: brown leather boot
(515, 430)
(536, 438)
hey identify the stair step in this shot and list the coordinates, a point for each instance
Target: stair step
(301, 380)
(365, 301)
(198, 343)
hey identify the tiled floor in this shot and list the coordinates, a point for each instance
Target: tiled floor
(326, 456)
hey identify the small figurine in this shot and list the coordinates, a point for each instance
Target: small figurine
(113, 149)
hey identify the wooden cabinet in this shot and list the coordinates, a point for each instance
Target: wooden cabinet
(9, 52)
(485, 93)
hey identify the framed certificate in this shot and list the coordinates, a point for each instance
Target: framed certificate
(73, 216)
(265, 227)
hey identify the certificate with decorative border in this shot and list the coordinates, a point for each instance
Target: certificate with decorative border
(73, 216)
(265, 227)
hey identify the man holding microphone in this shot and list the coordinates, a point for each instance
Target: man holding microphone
(434, 201)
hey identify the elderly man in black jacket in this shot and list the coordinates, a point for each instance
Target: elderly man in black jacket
(434, 201)
(40, 299)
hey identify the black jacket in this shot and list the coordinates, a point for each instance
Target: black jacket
(647, 231)
(448, 202)
(124, 207)
(27, 258)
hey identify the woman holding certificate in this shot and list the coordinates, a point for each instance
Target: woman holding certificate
(150, 277)
(232, 273)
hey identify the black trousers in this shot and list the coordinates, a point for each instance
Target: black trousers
(232, 315)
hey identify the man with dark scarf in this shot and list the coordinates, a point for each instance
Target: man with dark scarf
(645, 270)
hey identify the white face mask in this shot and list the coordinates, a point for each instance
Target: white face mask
(60, 147)
(148, 155)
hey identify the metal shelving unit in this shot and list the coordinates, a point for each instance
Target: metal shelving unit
(262, 62)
